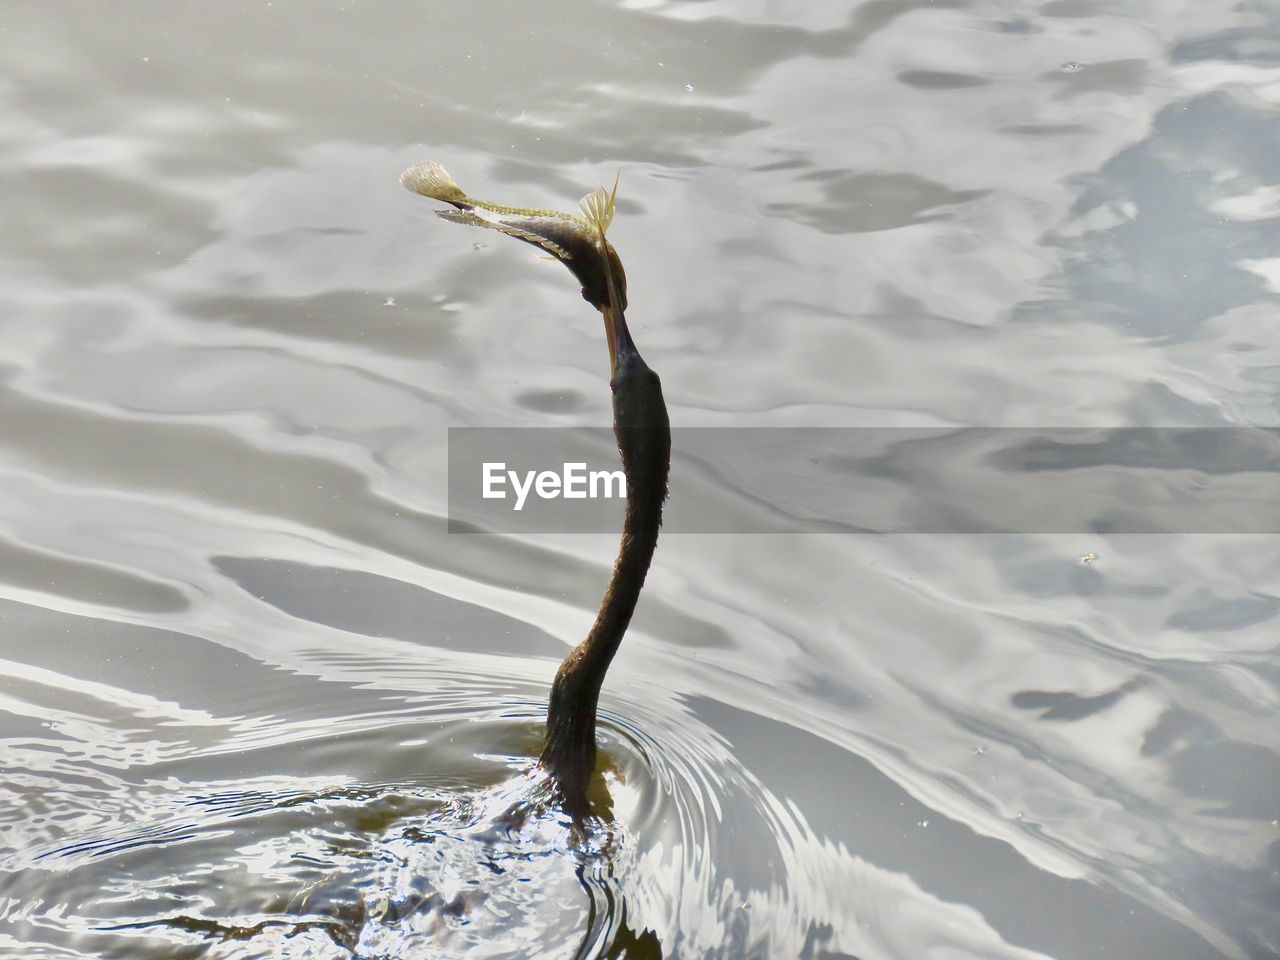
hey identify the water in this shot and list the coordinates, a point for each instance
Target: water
(258, 702)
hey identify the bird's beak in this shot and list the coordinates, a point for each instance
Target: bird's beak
(615, 329)
(621, 345)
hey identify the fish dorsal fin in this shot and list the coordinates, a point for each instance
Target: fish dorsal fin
(597, 213)
(597, 208)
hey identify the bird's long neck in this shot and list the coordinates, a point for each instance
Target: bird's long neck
(570, 750)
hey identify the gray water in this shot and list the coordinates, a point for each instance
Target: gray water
(257, 701)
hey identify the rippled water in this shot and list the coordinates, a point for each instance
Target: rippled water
(258, 702)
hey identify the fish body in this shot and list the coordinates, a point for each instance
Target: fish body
(576, 240)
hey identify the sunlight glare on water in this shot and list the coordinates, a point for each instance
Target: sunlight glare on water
(257, 701)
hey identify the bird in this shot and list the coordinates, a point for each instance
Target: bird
(641, 427)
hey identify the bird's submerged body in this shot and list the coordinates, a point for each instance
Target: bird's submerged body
(502, 872)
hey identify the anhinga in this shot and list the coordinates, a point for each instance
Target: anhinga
(644, 441)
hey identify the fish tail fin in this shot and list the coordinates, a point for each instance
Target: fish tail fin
(432, 180)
